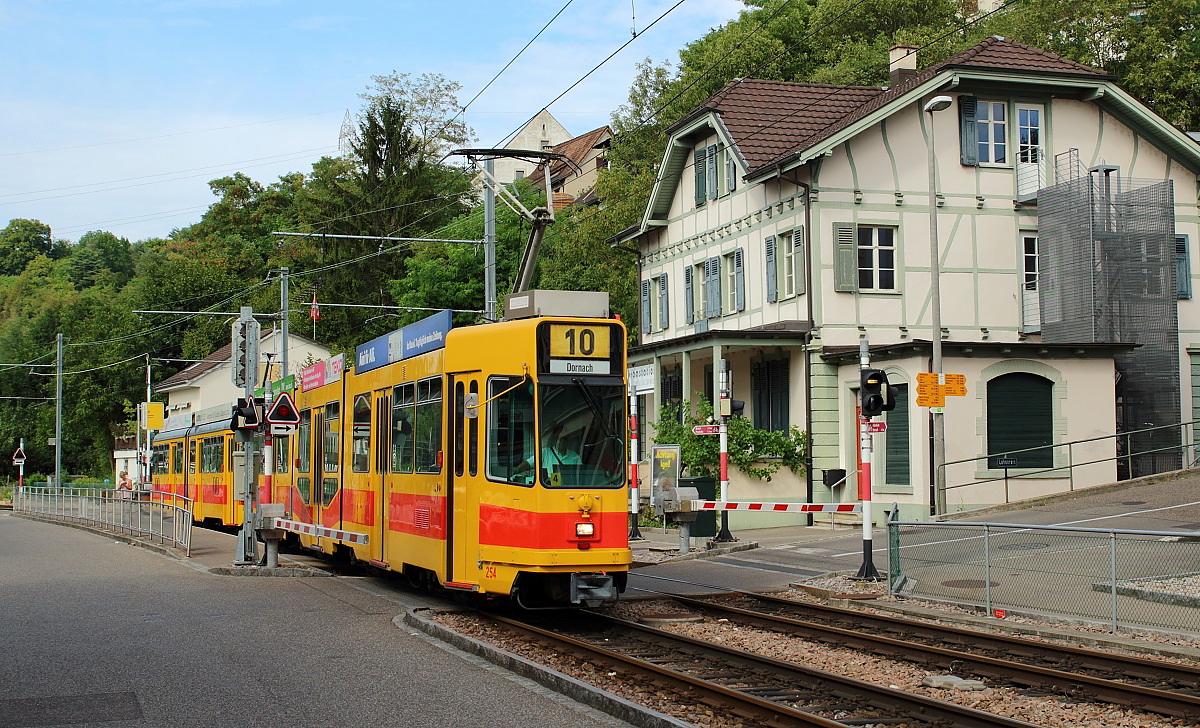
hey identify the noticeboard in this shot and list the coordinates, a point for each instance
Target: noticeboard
(664, 470)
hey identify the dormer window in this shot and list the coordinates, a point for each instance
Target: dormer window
(714, 170)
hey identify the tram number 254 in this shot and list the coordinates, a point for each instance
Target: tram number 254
(489, 571)
(579, 341)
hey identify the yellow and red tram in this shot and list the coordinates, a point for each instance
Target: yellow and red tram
(442, 463)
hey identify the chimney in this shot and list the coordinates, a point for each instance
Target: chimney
(902, 63)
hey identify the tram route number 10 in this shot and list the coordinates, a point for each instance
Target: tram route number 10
(575, 342)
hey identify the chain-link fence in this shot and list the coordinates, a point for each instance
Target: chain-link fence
(1052, 570)
(154, 515)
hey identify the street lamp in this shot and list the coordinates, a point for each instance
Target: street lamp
(937, 103)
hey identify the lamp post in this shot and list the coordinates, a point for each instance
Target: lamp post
(937, 103)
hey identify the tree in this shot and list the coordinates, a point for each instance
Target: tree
(20, 242)
(431, 104)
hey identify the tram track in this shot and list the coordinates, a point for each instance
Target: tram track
(1148, 684)
(757, 689)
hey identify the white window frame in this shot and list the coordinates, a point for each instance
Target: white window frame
(874, 248)
(729, 284)
(698, 296)
(987, 108)
(787, 263)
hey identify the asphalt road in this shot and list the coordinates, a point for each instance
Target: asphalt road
(97, 632)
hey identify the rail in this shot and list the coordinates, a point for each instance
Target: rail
(1134, 453)
(164, 518)
(1121, 577)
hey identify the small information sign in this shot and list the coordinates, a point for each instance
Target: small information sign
(706, 429)
(876, 427)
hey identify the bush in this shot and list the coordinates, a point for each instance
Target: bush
(757, 453)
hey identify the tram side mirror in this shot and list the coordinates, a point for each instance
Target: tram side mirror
(471, 404)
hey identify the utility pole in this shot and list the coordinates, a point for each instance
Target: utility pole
(724, 410)
(244, 357)
(284, 315)
(489, 241)
(58, 395)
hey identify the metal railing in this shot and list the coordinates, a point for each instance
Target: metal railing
(161, 517)
(1123, 578)
(1068, 458)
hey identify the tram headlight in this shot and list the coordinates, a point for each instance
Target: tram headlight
(585, 530)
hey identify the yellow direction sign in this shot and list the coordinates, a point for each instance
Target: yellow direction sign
(926, 378)
(955, 379)
(954, 390)
(931, 400)
(929, 388)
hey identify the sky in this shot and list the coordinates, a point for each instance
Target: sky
(115, 114)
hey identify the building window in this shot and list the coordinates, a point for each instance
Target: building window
(769, 394)
(734, 285)
(655, 302)
(520, 173)
(1031, 314)
(671, 392)
(712, 165)
(991, 130)
(712, 288)
(1020, 415)
(1029, 135)
(876, 258)
(693, 293)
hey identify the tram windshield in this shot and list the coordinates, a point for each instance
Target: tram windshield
(581, 435)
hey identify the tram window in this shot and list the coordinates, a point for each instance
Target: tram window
(332, 437)
(177, 458)
(427, 425)
(383, 450)
(510, 428)
(360, 461)
(192, 457)
(303, 484)
(212, 454)
(281, 453)
(589, 422)
(304, 443)
(473, 436)
(329, 488)
(460, 418)
(403, 402)
(158, 460)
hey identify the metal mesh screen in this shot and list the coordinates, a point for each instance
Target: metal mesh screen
(1106, 272)
(1048, 570)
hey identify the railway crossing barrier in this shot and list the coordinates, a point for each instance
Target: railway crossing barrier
(684, 508)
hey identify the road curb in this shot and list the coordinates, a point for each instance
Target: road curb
(577, 690)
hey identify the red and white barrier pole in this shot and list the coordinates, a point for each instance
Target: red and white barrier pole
(867, 571)
(635, 502)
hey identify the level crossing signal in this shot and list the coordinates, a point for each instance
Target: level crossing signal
(283, 411)
(876, 396)
(246, 414)
(19, 456)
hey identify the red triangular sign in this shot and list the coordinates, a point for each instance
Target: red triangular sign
(19, 456)
(283, 411)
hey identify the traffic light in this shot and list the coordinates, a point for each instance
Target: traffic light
(245, 414)
(875, 395)
(244, 352)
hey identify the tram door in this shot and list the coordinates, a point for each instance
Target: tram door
(463, 476)
(326, 504)
(381, 466)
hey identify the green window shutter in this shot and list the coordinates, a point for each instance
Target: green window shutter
(712, 288)
(769, 254)
(739, 281)
(645, 300)
(1020, 415)
(967, 133)
(662, 301)
(701, 176)
(688, 313)
(845, 258)
(897, 468)
(1183, 268)
(713, 185)
(800, 258)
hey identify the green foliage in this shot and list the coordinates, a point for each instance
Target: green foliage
(757, 453)
(21, 241)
